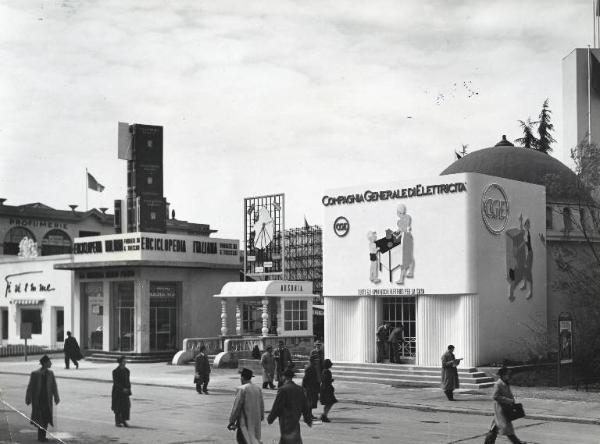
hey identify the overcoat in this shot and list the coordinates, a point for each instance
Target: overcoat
(327, 391)
(34, 389)
(449, 372)
(202, 365)
(71, 349)
(310, 384)
(267, 361)
(283, 359)
(121, 391)
(290, 403)
(503, 398)
(248, 411)
(316, 362)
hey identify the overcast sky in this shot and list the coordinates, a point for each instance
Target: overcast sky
(260, 97)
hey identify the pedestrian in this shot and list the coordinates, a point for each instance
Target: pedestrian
(72, 351)
(267, 362)
(202, 375)
(311, 387)
(290, 403)
(316, 359)
(283, 359)
(256, 352)
(121, 391)
(327, 393)
(395, 339)
(503, 398)
(450, 373)
(382, 338)
(248, 410)
(40, 391)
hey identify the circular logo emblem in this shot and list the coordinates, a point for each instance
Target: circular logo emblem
(341, 226)
(494, 208)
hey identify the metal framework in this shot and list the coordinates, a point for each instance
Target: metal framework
(304, 256)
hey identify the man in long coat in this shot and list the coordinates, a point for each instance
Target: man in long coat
(72, 351)
(288, 406)
(248, 410)
(267, 362)
(395, 339)
(283, 359)
(202, 376)
(40, 391)
(449, 373)
(503, 398)
(121, 391)
(317, 355)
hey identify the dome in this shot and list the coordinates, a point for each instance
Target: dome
(523, 164)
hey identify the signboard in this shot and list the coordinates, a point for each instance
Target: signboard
(26, 328)
(156, 246)
(565, 338)
(264, 227)
(163, 289)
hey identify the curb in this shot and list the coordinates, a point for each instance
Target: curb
(418, 407)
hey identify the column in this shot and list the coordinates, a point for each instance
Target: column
(223, 317)
(142, 316)
(265, 317)
(238, 318)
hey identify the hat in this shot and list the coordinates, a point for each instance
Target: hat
(246, 373)
(44, 359)
(289, 373)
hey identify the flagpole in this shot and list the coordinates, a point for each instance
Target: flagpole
(86, 189)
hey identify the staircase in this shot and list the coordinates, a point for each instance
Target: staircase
(407, 375)
(102, 356)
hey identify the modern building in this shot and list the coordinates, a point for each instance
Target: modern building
(465, 258)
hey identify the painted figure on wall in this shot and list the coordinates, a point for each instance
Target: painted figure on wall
(373, 249)
(27, 248)
(519, 259)
(404, 235)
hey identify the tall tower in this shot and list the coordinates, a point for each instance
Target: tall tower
(142, 147)
(581, 97)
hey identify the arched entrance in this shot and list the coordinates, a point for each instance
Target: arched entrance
(12, 239)
(56, 242)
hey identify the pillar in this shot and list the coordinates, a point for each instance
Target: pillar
(265, 317)
(223, 317)
(238, 318)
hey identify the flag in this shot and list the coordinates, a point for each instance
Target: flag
(93, 184)
(458, 156)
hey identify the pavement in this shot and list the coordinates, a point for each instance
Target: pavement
(540, 403)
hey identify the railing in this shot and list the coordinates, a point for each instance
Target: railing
(296, 344)
(19, 350)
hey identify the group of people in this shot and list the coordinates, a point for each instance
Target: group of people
(389, 340)
(502, 396)
(42, 390)
(292, 401)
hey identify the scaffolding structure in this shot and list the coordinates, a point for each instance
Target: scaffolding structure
(304, 257)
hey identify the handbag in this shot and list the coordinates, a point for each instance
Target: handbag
(515, 411)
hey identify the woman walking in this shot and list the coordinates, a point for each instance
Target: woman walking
(121, 391)
(310, 384)
(327, 394)
(503, 399)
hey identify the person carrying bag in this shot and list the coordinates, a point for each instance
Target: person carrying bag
(505, 410)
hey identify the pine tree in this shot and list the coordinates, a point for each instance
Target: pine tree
(528, 140)
(544, 129)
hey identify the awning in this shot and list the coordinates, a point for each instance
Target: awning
(27, 301)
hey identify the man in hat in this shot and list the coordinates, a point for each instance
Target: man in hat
(267, 361)
(316, 359)
(72, 351)
(40, 391)
(290, 403)
(202, 376)
(283, 359)
(450, 373)
(248, 410)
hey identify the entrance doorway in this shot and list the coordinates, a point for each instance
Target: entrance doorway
(163, 316)
(122, 319)
(92, 315)
(402, 310)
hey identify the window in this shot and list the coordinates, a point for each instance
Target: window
(548, 218)
(56, 242)
(12, 239)
(252, 317)
(567, 222)
(33, 316)
(295, 315)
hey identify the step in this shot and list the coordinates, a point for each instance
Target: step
(101, 356)
(404, 369)
(415, 383)
(424, 377)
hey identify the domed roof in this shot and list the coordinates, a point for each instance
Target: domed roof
(523, 164)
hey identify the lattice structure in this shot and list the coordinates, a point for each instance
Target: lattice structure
(304, 257)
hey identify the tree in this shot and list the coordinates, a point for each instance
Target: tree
(544, 128)
(528, 140)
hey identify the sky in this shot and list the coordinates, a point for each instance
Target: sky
(262, 97)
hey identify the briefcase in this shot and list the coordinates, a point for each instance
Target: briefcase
(515, 411)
